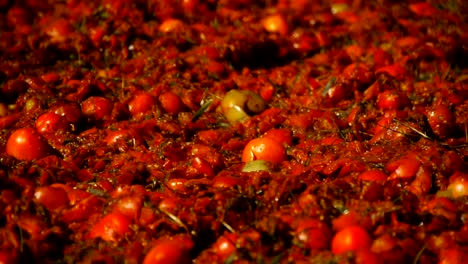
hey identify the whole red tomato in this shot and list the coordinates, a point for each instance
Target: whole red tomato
(27, 144)
(264, 148)
(352, 238)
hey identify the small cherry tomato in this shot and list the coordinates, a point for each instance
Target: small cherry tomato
(367, 257)
(51, 197)
(441, 120)
(51, 122)
(458, 187)
(453, 256)
(403, 168)
(313, 234)
(225, 181)
(392, 100)
(171, 103)
(352, 238)
(275, 24)
(97, 107)
(264, 148)
(170, 25)
(8, 257)
(111, 228)
(141, 103)
(169, 252)
(27, 144)
(70, 111)
(59, 30)
(129, 206)
(423, 9)
(225, 246)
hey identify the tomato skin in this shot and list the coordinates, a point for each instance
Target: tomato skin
(97, 107)
(423, 9)
(27, 144)
(129, 206)
(441, 120)
(373, 175)
(313, 234)
(8, 258)
(111, 228)
(171, 103)
(458, 186)
(142, 103)
(264, 148)
(392, 100)
(281, 135)
(169, 252)
(226, 245)
(225, 181)
(70, 111)
(453, 256)
(51, 122)
(51, 197)
(59, 30)
(352, 238)
(275, 24)
(403, 168)
(170, 25)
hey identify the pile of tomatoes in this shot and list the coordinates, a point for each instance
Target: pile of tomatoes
(263, 131)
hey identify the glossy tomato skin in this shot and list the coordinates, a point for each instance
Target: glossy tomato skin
(27, 144)
(51, 122)
(97, 107)
(168, 251)
(8, 258)
(141, 104)
(225, 246)
(352, 238)
(51, 197)
(71, 111)
(373, 175)
(264, 148)
(171, 103)
(390, 100)
(441, 120)
(281, 135)
(111, 227)
(313, 234)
